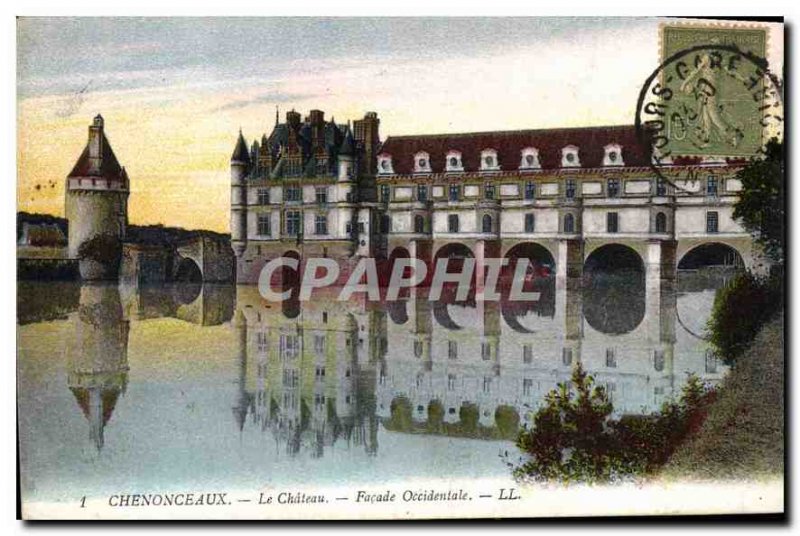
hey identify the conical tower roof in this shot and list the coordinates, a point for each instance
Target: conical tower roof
(241, 153)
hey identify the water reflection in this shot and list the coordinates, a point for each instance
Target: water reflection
(328, 373)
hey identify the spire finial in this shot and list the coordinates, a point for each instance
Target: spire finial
(277, 115)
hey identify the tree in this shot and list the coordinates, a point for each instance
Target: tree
(570, 439)
(761, 206)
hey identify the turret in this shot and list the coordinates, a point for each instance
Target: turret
(347, 158)
(240, 166)
(96, 200)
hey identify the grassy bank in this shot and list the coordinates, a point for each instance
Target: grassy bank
(743, 435)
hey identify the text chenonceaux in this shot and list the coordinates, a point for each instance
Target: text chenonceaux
(125, 500)
(406, 273)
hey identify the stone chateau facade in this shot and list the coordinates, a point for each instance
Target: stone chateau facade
(556, 196)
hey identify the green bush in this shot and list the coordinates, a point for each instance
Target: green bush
(574, 438)
(740, 309)
(103, 248)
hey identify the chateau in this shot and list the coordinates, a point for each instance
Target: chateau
(568, 199)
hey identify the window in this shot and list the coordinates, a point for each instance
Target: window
(661, 222)
(489, 159)
(527, 354)
(569, 189)
(385, 193)
(293, 193)
(417, 348)
(488, 191)
(264, 225)
(321, 224)
(454, 161)
(385, 163)
(486, 351)
(569, 223)
(322, 196)
(661, 187)
(290, 378)
(613, 188)
(527, 384)
(711, 361)
(530, 158)
(452, 223)
(530, 190)
(293, 223)
(419, 224)
(452, 350)
(263, 196)
(422, 163)
(262, 341)
(658, 360)
(711, 186)
(290, 346)
(386, 223)
(486, 224)
(451, 382)
(454, 192)
(319, 344)
(712, 222)
(487, 384)
(530, 223)
(322, 166)
(612, 222)
(611, 357)
(566, 356)
(422, 193)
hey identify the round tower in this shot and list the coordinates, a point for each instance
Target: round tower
(240, 166)
(97, 193)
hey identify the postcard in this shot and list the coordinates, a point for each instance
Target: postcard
(399, 268)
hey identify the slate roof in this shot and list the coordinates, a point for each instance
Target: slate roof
(591, 142)
(109, 165)
(240, 152)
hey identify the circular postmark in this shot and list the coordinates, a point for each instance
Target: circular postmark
(710, 102)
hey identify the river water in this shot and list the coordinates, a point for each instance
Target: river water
(140, 389)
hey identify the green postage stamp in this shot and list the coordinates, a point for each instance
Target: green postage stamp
(717, 89)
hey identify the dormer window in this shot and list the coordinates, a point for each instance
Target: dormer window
(489, 160)
(385, 163)
(569, 157)
(454, 161)
(530, 159)
(613, 155)
(422, 163)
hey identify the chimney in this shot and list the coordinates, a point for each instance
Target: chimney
(293, 118)
(317, 117)
(366, 133)
(96, 142)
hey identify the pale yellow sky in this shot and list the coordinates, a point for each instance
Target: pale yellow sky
(174, 93)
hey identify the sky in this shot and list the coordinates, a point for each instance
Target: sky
(174, 92)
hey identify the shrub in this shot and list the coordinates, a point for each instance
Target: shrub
(740, 309)
(574, 438)
(103, 248)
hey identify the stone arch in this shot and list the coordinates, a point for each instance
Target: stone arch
(613, 256)
(453, 250)
(538, 254)
(711, 254)
(188, 271)
(614, 289)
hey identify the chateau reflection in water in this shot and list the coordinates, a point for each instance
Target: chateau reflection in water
(332, 371)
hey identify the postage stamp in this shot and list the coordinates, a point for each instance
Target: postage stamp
(306, 268)
(716, 78)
